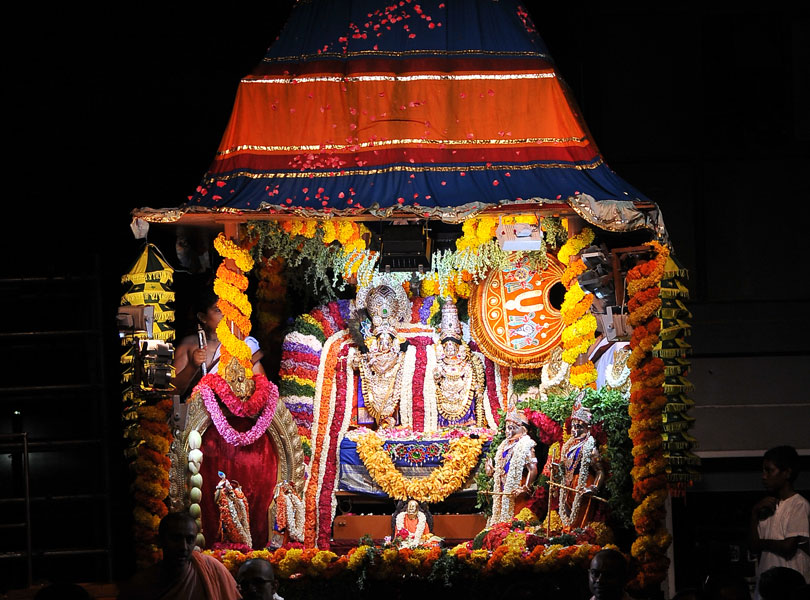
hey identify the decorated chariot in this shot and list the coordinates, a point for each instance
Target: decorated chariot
(511, 404)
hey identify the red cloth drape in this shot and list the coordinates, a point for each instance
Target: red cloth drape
(255, 467)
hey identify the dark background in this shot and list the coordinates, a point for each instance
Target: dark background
(703, 110)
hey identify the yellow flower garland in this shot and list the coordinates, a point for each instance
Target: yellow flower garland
(574, 245)
(227, 249)
(460, 458)
(230, 286)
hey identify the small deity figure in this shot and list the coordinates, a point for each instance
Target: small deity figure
(380, 365)
(459, 375)
(513, 470)
(234, 519)
(289, 515)
(580, 471)
(412, 522)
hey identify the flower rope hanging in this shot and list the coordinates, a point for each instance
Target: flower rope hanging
(580, 323)
(459, 460)
(230, 286)
(647, 401)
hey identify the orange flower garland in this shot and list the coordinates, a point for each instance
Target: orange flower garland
(151, 484)
(647, 400)
(580, 323)
(230, 286)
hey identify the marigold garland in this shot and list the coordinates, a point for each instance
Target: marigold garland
(227, 249)
(577, 336)
(234, 304)
(459, 460)
(151, 484)
(575, 245)
(647, 400)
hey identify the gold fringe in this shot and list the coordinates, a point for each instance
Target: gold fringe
(675, 369)
(673, 308)
(672, 389)
(131, 338)
(676, 426)
(164, 276)
(675, 348)
(678, 290)
(128, 356)
(674, 268)
(688, 476)
(163, 314)
(677, 407)
(147, 297)
(685, 459)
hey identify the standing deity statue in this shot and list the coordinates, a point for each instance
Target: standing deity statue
(234, 513)
(459, 375)
(513, 470)
(579, 473)
(380, 365)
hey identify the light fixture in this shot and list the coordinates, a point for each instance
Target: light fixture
(519, 236)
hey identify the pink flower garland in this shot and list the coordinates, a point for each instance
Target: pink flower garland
(247, 408)
(228, 433)
(547, 429)
(418, 396)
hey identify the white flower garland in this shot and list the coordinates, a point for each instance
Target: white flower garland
(503, 506)
(295, 516)
(316, 409)
(416, 539)
(406, 394)
(490, 418)
(546, 381)
(429, 394)
(616, 382)
(585, 464)
(344, 427)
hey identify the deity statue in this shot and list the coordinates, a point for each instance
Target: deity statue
(412, 522)
(289, 515)
(380, 364)
(459, 375)
(234, 519)
(579, 473)
(513, 471)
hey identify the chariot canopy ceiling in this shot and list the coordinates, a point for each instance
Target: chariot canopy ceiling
(437, 108)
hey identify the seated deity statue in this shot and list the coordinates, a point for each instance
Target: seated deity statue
(234, 512)
(577, 472)
(412, 523)
(459, 375)
(513, 470)
(380, 364)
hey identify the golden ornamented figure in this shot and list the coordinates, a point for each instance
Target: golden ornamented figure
(513, 470)
(381, 365)
(234, 512)
(578, 475)
(459, 375)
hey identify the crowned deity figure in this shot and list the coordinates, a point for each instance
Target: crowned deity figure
(577, 473)
(513, 469)
(459, 375)
(380, 363)
(234, 513)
